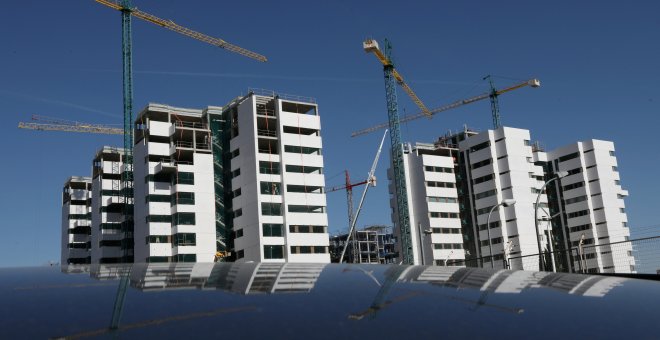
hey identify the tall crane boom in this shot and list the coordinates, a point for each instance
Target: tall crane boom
(171, 25)
(397, 148)
(56, 124)
(494, 93)
(371, 46)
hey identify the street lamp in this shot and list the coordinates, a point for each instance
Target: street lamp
(558, 175)
(507, 203)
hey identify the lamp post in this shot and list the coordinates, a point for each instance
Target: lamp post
(558, 175)
(507, 203)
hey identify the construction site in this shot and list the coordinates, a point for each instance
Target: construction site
(245, 180)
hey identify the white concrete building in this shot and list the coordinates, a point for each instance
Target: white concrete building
(277, 182)
(174, 186)
(76, 221)
(432, 202)
(590, 203)
(107, 208)
(500, 164)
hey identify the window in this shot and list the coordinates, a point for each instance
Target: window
(617, 182)
(578, 213)
(236, 193)
(182, 218)
(184, 198)
(485, 194)
(107, 243)
(158, 239)
(495, 224)
(443, 215)
(573, 186)
(316, 229)
(304, 169)
(445, 230)
(578, 228)
(271, 209)
(480, 146)
(448, 246)
(622, 210)
(184, 178)
(238, 212)
(159, 218)
(270, 188)
(186, 258)
(483, 179)
(442, 199)
(272, 230)
(315, 209)
(158, 259)
(612, 153)
(624, 224)
(235, 153)
(239, 233)
(309, 250)
(157, 198)
(273, 252)
(440, 184)
(269, 168)
(569, 157)
(576, 199)
(478, 165)
(236, 173)
(302, 149)
(185, 239)
(240, 254)
(160, 178)
(439, 169)
(527, 142)
(614, 168)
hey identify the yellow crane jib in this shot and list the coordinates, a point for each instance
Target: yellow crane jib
(171, 25)
(371, 46)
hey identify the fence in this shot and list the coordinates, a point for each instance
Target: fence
(641, 256)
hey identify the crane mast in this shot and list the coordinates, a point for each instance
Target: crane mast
(396, 145)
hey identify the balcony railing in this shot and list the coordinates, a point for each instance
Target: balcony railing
(190, 125)
(267, 133)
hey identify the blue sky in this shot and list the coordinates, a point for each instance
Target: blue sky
(597, 61)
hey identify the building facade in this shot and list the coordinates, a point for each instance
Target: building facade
(590, 208)
(430, 177)
(111, 242)
(76, 221)
(276, 180)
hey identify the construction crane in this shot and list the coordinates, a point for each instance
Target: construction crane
(372, 182)
(392, 77)
(56, 124)
(493, 94)
(348, 186)
(127, 10)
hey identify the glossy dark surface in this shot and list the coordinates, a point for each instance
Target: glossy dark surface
(252, 300)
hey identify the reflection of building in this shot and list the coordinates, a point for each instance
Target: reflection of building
(109, 271)
(373, 244)
(240, 277)
(76, 221)
(506, 281)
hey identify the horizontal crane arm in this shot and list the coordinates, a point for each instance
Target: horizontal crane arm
(71, 128)
(171, 25)
(408, 118)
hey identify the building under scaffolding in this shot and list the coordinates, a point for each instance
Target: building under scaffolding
(373, 244)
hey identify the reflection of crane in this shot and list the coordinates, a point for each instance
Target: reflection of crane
(493, 94)
(55, 124)
(348, 186)
(392, 274)
(392, 77)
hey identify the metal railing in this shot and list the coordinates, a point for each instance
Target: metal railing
(267, 133)
(273, 94)
(191, 125)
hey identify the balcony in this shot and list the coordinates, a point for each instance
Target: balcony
(165, 167)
